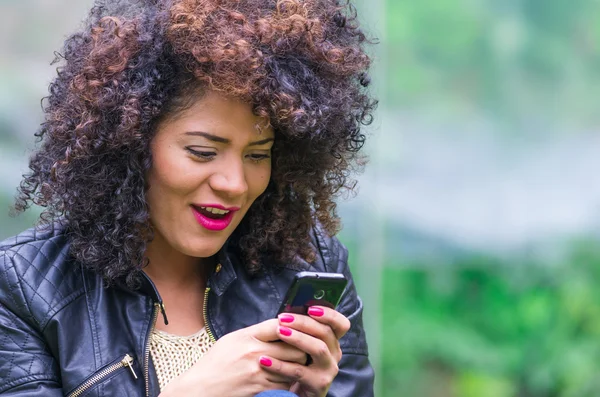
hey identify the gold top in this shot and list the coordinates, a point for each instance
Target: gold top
(172, 355)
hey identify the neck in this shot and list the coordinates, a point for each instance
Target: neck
(170, 268)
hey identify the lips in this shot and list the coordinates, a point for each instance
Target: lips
(210, 220)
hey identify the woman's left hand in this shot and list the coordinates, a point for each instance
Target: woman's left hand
(318, 335)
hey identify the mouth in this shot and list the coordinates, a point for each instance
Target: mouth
(213, 217)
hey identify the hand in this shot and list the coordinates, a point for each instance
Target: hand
(318, 336)
(232, 365)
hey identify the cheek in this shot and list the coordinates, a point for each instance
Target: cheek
(259, 180)
(170, 173)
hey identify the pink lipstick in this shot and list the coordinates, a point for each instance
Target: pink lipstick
(213, 221)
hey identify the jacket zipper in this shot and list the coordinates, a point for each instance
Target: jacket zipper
(205, 313)
(126, 361)
(157, 307)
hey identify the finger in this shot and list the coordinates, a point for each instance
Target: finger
(285, 352)
(306, 376)
(265, 331)
(278, 379)
(313, 328)
(319, 351)
(336, 320)
(307, 325)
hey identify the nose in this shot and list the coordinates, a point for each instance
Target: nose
(230, 179)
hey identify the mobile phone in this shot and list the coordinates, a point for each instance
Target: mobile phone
(312, 288)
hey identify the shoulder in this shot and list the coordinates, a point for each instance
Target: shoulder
(332, 255)
(36, 274)
(334, 259)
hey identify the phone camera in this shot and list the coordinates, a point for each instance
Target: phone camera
(319, 294)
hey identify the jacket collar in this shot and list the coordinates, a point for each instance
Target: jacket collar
(221, 278)
(224, 273)
(147, 287)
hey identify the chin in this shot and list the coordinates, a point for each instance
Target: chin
(204, 251)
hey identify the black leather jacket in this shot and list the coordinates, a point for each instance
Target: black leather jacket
(62, 332)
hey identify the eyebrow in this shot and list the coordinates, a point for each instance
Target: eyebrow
(219, 139)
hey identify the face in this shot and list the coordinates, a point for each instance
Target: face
(210, 163)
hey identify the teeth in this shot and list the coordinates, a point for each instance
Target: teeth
(215, 211)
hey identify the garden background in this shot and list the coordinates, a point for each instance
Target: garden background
(474, 235)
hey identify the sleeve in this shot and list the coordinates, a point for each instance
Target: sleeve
(356, 376)
(27, 368)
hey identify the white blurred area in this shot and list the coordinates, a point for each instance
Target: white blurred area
(482, 192)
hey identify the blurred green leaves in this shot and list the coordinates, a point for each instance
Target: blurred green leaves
(489, 327)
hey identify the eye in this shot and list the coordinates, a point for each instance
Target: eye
(201, 154)
(258, 157)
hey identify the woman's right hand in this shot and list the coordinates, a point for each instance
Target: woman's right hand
(232, 365)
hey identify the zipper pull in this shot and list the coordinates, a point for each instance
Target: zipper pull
(164, 312)
(127, 361)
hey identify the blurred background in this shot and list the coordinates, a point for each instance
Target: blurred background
(474, 238)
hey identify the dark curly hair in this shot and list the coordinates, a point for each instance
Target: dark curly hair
(300, 63)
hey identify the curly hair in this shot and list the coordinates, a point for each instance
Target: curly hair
(301, 64)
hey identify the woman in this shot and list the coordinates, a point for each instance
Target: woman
(189, 161)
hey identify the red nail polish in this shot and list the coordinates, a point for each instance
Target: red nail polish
(316, 311)
(285, 331)
(286, 318)
(265, 361)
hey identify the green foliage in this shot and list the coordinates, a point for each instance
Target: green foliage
(483, 327)
(514, 61)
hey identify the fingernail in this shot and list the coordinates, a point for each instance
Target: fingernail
(285, 331)
(315, 311)
(286, 318)
(265, 361)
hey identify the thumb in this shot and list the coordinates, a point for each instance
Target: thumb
(265, 331)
